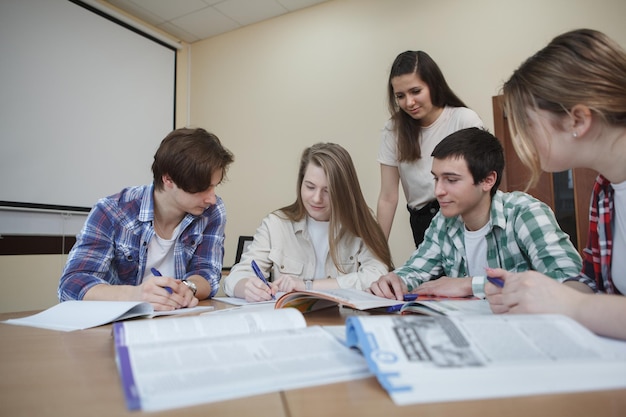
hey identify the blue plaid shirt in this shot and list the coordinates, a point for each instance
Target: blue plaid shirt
(112, 247)
(524, 236)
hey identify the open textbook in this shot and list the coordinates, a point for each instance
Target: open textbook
(242, 302)
(306, 301)
(423, 359)
(434, 306)
(78, 315)
(185, 361)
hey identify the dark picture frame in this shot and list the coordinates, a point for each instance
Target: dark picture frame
(242, 246)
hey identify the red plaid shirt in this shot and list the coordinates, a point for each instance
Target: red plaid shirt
(596, 272)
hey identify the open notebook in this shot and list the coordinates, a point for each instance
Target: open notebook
(78, 315)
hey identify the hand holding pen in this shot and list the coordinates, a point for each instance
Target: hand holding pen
(156, 273)
(495, 290)
(259, 274)
(498, 282)
(495, 276)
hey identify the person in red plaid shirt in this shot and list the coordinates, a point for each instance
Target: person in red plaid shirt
(566, 108)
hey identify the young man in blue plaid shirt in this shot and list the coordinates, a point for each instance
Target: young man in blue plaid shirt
(162, 243)
(479, 227)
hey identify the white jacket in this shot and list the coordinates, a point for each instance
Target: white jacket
(284, 247)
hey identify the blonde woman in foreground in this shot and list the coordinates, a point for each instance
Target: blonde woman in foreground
(327, 238)
(566, 108)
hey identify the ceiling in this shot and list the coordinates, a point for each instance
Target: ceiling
(194, 20)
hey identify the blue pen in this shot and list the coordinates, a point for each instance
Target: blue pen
(259, 274)
(394, 309)
(498, 282)
(397, 307)
(156, 273)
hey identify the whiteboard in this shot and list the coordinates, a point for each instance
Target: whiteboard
(84, 104)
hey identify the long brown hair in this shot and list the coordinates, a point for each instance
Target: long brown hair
(349, 213)
(406, 128)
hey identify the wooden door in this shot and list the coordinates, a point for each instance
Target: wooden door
(572, 212)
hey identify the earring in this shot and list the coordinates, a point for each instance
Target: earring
(574, 134)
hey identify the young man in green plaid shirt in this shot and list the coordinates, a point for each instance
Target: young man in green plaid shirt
(479, 227)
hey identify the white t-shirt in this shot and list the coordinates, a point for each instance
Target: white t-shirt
(416, 177)
(618, 260)
(318, 232)
(161, 255)
(476, 250)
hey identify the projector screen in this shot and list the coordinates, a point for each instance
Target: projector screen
(84, 104)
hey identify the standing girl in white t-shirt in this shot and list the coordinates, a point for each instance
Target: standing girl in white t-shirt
(424, 110)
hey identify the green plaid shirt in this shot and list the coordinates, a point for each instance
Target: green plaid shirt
(524, 236)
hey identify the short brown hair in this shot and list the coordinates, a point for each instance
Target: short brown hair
(190, 157)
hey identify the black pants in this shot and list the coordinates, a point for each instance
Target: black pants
(420, 220)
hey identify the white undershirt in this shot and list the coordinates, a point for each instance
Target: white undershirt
(618, 258)
(161, 254)
(318, 232)
(476, 250)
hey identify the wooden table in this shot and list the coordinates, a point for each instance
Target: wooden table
(51, 373)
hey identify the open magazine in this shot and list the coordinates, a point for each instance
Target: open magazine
(422, 359)
(185, 361)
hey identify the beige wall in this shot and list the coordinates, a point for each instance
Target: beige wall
(320, 74)
(271, 89)
(29, 282)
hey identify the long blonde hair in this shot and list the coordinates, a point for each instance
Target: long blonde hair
(582, 66)
(349, 213)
